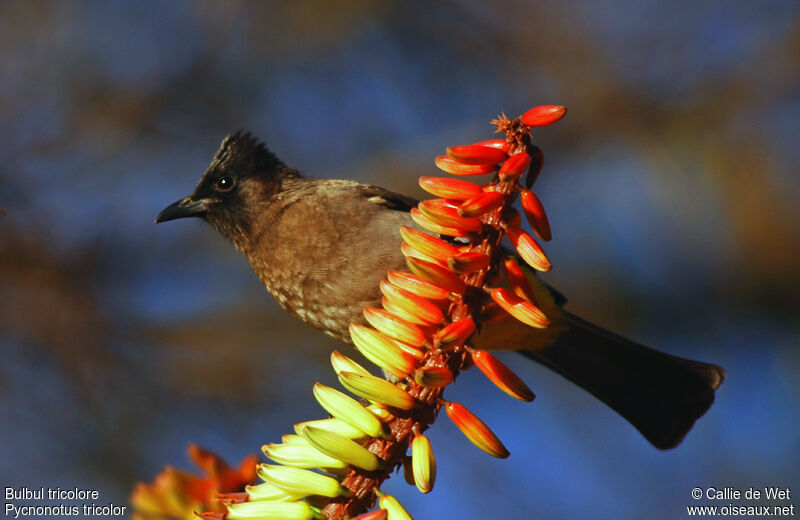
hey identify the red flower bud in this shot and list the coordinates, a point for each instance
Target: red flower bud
(515, 166)
(476, 154)
(543, 115)
(537, 218)
(502, 376)
(523, 310)
(454, 167)
(476, 430)
(446, 214)
(480, 204)
(430, 225)
(448, 188)
(469, 262)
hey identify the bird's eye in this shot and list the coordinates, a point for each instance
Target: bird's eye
(225, 183)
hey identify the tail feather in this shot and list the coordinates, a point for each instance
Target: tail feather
(661, 395)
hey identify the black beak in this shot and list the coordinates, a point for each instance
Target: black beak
(183, 208)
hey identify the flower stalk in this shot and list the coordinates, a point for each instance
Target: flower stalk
(420, 338)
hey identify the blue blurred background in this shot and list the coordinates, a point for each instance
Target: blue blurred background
(671, 186)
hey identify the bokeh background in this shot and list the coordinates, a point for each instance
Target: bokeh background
(672, 187)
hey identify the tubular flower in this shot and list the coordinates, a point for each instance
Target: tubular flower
(332, 468)
(175, 494)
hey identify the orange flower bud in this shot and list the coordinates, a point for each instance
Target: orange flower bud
(523, 310)
(442, 212)
(409, 251)
(543, 115)
(476, 430)
(454, 167)
(433, 376)
(420, 307)
(515, 166)
(519, 282)
(447, 188)
(468, 262)
(528, 249)
(502, 376)
(402, 313)
(476, 154)
(430, 225)
(480, 204)
(537, 218)
(394, 327)
(455, 333)
(436, 274)
(416, 285)
(426, 244)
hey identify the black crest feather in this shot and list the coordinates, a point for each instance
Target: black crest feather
(242, 151)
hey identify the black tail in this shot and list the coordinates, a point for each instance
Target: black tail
(661, 395)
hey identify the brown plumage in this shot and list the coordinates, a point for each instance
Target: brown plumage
(321, 247)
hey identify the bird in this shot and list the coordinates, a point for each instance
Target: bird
(322, 246)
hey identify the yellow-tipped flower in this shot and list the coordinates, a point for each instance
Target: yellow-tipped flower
(394, 327)
(436, 274)
(446, 214)
(342, 363)
(301, 456)
(416, 285)
(300, 482)
(341, 448)
(346, 408)
(270, 509)
(523, 310)
(267, 491)
(447, 188)
(422, 308)
(423, 463)
(426, 244)
(393, 508)
(334, 425)
(377, 390)
(476, 430)
(381, 350)
(424, 222)
(455, 333)
(409, 251)
(519, 282)
(455, 167)
(433, 377)
(502, 376)
(528, 249)
(468, 262)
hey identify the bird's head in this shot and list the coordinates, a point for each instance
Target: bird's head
(243, 180)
